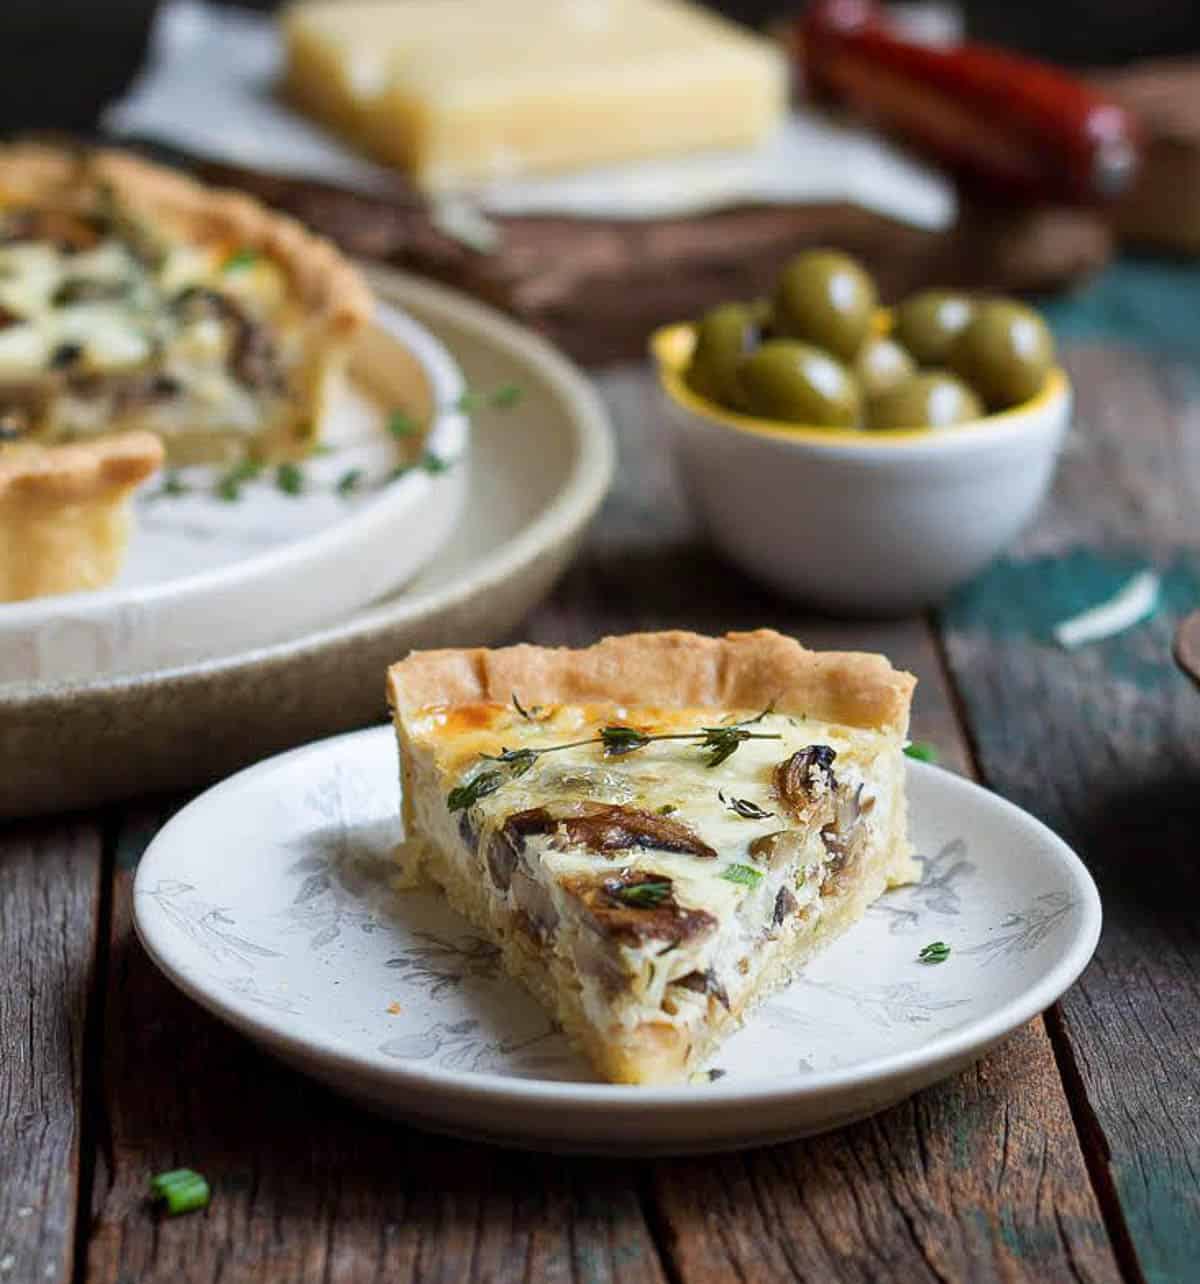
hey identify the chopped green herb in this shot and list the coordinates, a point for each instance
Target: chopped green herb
(320, 449)
(289, 477)
(502, 398)
(642, 895)
(229, 484)
(181, 1190)
(507, 396)
(434, 464)
(934, 952)
(172, 486)
(744, 807)
(402, 424)
(479, 786)
(401, 470)
(349, 482)
(741, 874)
(922, 751)
(240, 259)
(622, 740)
(667, 808)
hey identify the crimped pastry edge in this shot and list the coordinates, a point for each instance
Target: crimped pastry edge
(330, 287)
(78, 471)
(670, 669)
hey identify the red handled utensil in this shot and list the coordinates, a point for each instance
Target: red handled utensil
(1017, 126)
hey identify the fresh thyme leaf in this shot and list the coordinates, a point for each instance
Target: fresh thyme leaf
(229, 484)
(723, 742)
(618, 741)
(502, 398)
(520, 760)
(745, 808)
(745, 874)
(401, 424)
(922, 751)
(172, 486)
(934, 952)
(643, 895)
(401, 470)
(469, 793)
(520, 708)
(434, 464)
(667, 808)
(766, 713)
(289, 478)
(349, 482)
(239, 259)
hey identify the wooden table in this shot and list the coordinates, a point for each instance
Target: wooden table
(1071, 1153)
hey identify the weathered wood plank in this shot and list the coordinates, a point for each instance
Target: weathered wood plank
(49, 899)
(980, 1178)
(307, 1188)
(1104, 744)
(977, 1179)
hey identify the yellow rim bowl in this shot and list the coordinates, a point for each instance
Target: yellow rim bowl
(672, 347)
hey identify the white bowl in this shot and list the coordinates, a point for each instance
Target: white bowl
(872, 523)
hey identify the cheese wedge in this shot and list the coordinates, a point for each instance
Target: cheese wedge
(465, 91)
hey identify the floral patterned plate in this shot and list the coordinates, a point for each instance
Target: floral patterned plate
(267, 899)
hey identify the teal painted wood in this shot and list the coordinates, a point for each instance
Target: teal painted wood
(1103, 743)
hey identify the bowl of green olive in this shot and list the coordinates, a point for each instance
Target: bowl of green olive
(860, 458)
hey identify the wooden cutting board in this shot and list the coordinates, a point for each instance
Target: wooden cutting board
(597, 287)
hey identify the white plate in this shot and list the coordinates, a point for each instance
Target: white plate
(207, 578)
(535, 476)
(266, 900)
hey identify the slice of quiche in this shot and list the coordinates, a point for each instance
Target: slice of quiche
(132, 297)
(658, 830)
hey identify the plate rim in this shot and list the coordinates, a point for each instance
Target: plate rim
(567, 512)
(334, 1053)
(449, 434)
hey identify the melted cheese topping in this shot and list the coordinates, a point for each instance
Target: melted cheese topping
(674, 778)
(104, 337)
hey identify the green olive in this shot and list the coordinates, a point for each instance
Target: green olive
(800, 384)
(724, 336)
(928, 323)
(826, 298)
(931, 399)
(881, 364)
(1004, 354)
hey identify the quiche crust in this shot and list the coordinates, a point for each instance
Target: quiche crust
(64, 512)
(737, 671)
(649, 993)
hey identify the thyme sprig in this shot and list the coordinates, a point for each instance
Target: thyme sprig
(719, 743)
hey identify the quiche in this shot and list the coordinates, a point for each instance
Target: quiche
(132, 297)
(659, 830)
(65, 511)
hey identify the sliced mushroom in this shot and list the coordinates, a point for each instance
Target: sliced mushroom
(785, 904)
(610, 827)
(660, 918)
(705, 983)
(805, 778)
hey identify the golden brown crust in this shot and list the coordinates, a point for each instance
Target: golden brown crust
(674, 669)
(331, 289)
(80, 471)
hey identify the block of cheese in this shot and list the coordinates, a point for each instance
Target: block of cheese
(460, 92)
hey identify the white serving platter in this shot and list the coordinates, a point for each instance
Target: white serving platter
(535, 476)
(268, 901)
(209, 577)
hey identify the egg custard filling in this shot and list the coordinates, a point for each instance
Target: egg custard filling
(657, 831)
(132, 297)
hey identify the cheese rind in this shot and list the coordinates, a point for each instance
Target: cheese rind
(466, 91)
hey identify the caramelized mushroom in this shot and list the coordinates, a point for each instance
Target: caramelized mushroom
(614, 909)
(705, 983)
(609, 827)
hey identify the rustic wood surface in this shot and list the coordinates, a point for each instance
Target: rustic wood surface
(1070, 1153)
